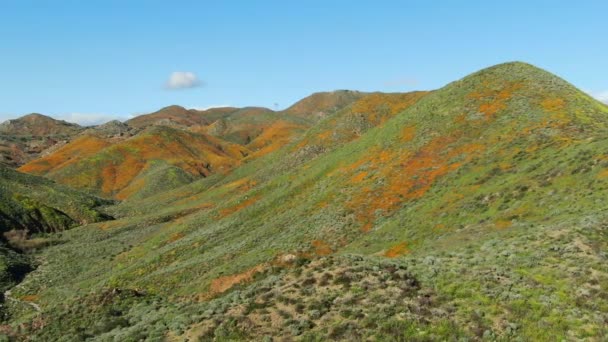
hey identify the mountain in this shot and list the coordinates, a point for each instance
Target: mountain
(38, 125)
(117, 169)
(472, 212)
(24, 139)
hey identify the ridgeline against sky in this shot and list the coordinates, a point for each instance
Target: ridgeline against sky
(90, 62)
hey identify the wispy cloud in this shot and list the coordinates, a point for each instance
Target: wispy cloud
(183, 80)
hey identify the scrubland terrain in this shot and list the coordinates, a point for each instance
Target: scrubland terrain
(472, 212)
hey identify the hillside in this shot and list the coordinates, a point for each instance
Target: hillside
(33, 206)
(41, 206)
(24, 139)
(118, 169)
(471, 212)
(246, 124)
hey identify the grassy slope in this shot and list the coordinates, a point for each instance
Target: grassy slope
(243, 125)
(37, 206)
(41, 206)
(119, 169)
(488, 191)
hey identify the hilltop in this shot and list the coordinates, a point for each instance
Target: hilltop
(179, 116)
(470, 212)
(24, 139)
(38, 125)
(320, 105)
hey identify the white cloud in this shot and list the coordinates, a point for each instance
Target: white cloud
(601, 95)
(183, 80)
(88, 119)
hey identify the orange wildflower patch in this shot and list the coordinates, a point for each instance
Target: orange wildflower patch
(406, 176)
(487, 91)
(354, 165)
(505, 166)
(494, 100)
(30, 298)
(503, 224)
(397, 250)
(408, 133)
(120, 163)
(321, 248)
(223, 284)
(603, 174)
(243, 204)
(116, 176)
(274, 137)
(70, 153)
(359, 177)
(175, 237)
(491, 108)
(324, 135)
(132, 189)
(381, 107)
(110, 224)
(243, 184)
(553, 105)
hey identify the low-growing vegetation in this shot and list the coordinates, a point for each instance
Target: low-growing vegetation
(473, 212)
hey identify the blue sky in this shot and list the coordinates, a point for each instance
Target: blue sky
(90, 61)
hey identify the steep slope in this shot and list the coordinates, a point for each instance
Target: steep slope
(486, 196)
(38, 205)
(275, 136)
(82, 147)
(111, 169)
(30, 206)
(367, 112)
(23, 139)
